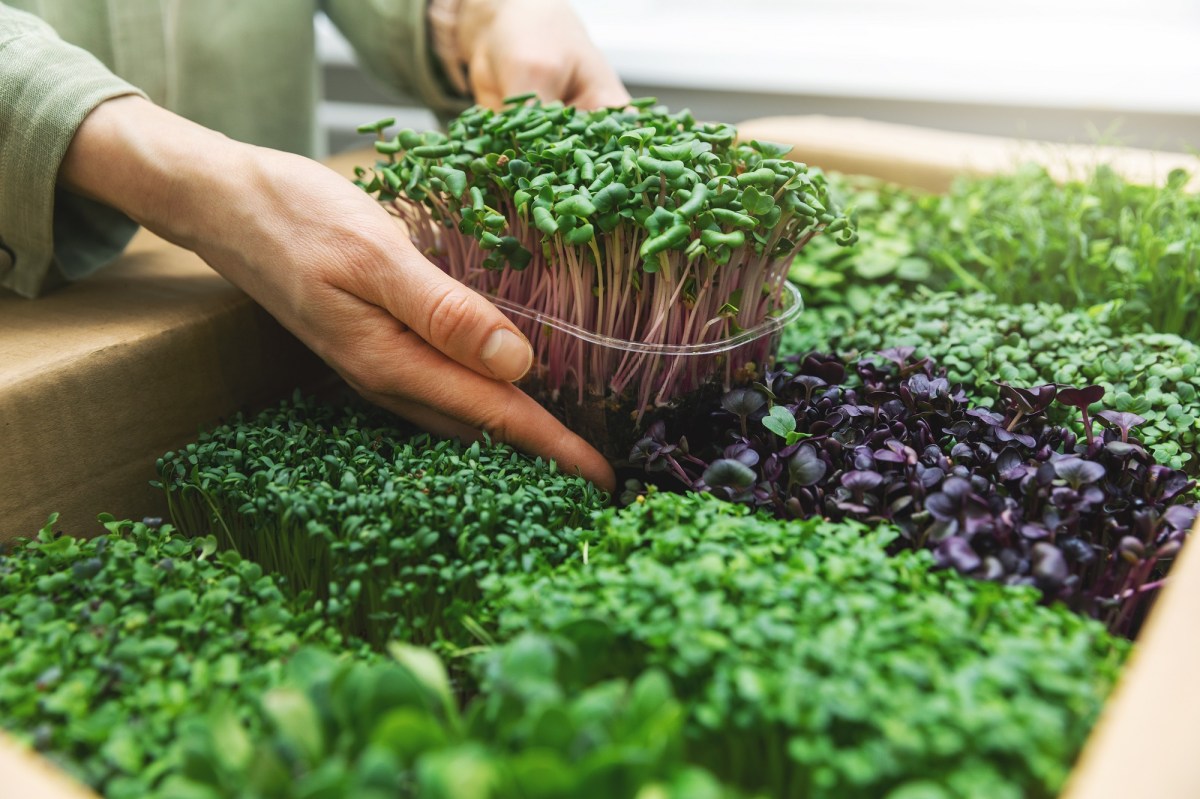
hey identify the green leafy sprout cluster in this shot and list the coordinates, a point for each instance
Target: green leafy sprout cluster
(1094, 242)
(979, 339)
(392, 730)
(633, 224)
(390, 530)
(107, 644)
(812, 664)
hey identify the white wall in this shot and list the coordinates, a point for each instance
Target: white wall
(1063, 70)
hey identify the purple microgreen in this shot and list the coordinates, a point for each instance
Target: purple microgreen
(1122, 421)
(1082, 398)
(911, 449)
(805, 467)
(1078, 472)
(742, 402)
(728, 473)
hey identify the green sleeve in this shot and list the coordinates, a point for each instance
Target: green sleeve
(392, 42)
(47, 87)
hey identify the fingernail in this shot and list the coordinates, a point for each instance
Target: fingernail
(507, 355)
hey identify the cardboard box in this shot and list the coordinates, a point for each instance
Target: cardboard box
(102, 377)
(99, 380)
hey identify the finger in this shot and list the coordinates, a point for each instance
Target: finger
(393, 367)
(596, 85)
(543, 74)
(427, 419)
(446, 314)
(484, 88)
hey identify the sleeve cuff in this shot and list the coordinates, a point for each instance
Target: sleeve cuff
(47, 88)
(393, 42)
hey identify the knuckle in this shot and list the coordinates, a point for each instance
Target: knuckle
(451, 315)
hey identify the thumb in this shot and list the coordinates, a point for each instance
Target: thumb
(450, 317)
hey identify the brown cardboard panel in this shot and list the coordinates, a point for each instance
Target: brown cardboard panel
(1145, 742)
(931, 159)
(100, 378)
(25, 775)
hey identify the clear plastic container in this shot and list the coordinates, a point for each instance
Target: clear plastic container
(602, 387)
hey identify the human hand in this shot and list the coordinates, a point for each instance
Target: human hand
(332, 266)
(516, 46)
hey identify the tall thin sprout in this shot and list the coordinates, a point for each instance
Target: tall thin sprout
(634, 224)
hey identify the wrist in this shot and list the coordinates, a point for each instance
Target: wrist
(163, 171)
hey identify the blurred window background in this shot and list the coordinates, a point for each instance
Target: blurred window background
(1060, 70)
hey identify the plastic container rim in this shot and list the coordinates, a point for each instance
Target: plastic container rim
(768, 326)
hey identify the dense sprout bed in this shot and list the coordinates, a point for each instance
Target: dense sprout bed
(107, 644)
(392, 530)
(687, 649)
(812, 664)
(979, 340)
(1093, 242)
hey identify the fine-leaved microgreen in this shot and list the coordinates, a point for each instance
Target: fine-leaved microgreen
(812, 664)
(389, 530)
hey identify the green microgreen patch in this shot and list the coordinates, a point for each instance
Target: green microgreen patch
(106, 644)
(387, 730)
(1093, 242)
(390, 530)
(812, 664)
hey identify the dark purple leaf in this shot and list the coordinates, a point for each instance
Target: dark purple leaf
(859, 482)
(929, 476)
(1020, 438)
(897, 355)
(727, 473)
(1078, 472)
(1121, 421)
(1028, 400)
(742, 453)
(1179, 517)
(1034, 531)
(956, 553)
(832, 371)
(1081, 398)
(743, 401)
(942, 506)
(956, 487)
(809, 383)
(1009, 465)
(806, 467)
(1122, 449)
(1049, 566)
(1077, 550)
